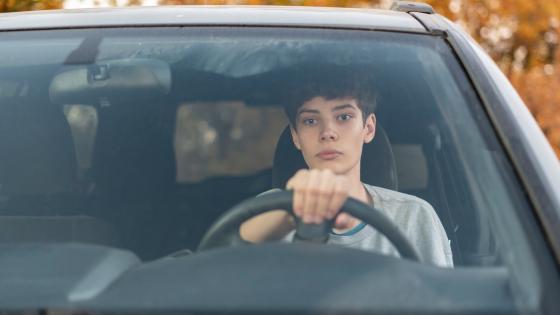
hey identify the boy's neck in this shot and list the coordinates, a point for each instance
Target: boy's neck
(357, 189)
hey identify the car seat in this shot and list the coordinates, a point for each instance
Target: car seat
(133, 175)
(39, 190)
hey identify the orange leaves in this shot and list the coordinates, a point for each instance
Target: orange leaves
(317, 3)
(522, 36)
(539, 91)
(26, 5)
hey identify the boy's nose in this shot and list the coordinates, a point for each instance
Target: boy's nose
(328, 134)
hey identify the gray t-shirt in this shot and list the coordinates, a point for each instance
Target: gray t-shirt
(414, 216)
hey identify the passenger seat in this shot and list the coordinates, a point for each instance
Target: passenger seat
(39, 190)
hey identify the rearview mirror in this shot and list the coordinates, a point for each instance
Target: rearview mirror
(125, 80)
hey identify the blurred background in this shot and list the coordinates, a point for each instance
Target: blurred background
(521, 35)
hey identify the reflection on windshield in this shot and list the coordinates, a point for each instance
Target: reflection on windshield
(171, 127)
(214, 139)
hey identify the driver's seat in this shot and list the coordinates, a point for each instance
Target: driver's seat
(378, 162)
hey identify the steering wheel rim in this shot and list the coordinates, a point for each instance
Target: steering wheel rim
(225, 231)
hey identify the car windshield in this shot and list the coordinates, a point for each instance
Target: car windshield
(140, 138)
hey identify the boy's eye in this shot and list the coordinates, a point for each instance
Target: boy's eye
(309, 121)
(344, 117)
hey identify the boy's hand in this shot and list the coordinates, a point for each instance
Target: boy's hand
(319, 195)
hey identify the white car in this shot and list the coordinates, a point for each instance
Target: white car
(127, 134)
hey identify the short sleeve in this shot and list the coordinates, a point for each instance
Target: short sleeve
(431, 240)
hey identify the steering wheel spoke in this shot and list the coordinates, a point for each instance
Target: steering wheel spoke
(314, 233)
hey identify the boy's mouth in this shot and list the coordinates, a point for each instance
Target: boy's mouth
(328, 154)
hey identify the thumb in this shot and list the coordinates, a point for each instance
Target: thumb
(343, 221)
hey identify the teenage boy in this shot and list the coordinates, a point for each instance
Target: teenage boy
(330, 120)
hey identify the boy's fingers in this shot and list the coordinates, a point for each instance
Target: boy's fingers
(343, 221)
(297, 203)
(311, 196)
(318, 195)
(298, 176)
(339, 196)
(296, 183)
(326, 187)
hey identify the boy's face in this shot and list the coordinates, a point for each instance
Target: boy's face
(331, 133)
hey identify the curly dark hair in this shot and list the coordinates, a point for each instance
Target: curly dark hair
(330, 82)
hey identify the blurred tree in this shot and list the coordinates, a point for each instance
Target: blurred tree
(518, 34)
(323, 3)
(538, 87)
(522, 37)
(26, 5)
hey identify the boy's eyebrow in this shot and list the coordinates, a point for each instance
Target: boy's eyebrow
(336, 108)
(312, 111)
(343, 106)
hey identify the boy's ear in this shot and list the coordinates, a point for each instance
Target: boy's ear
(293, 132)
(369, 128)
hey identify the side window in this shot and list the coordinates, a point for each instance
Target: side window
(225, 139)
(83, 123)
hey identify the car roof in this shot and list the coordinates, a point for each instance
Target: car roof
(213, 15)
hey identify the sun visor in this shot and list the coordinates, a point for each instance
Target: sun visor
(124, 80)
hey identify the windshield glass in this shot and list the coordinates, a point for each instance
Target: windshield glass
(142, 138)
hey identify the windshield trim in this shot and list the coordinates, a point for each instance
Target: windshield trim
(208, 15)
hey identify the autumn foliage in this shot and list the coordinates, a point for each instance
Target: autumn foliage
(26, 5)
(522, 37)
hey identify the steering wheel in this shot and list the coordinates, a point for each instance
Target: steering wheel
(225, 231)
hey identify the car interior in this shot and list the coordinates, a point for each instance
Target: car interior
(150, 160)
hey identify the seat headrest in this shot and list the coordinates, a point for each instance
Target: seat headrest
(37, 150)
(133, 155)
(377, 163)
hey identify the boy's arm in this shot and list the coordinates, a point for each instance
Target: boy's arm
(267, 226)
(272, 225)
